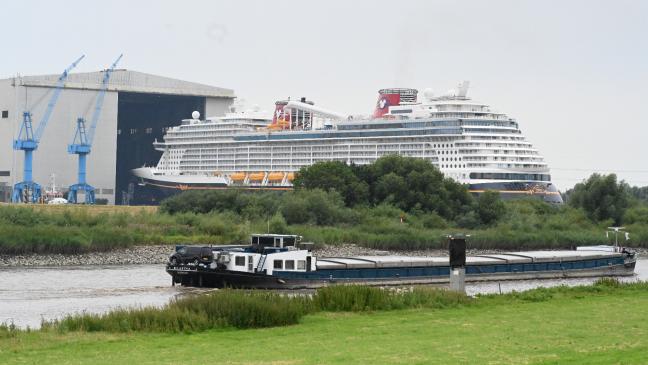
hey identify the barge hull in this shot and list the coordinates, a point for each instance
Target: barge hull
(246, 280)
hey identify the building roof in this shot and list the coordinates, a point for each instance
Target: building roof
(128, 81)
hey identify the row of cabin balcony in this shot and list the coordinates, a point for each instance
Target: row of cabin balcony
(214, 127)
(445, 114)
(519, 167)
(307, 147)
(277, 162)
(244, 151)
(495, 158)
(523, 153)
(525, 145)
(319, 148)
(497, 150)
(319, 155)
(267, 157)
(494, 137)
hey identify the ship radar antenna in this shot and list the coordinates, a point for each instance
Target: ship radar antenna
(616, 231)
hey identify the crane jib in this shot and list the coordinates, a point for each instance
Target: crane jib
(82, 143)
(27, 141)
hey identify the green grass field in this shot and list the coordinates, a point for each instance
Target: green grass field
(581, 326)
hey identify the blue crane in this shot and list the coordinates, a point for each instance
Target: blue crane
(82, 143)
(27, 190)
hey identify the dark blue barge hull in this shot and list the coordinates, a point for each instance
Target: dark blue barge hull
(599, 267)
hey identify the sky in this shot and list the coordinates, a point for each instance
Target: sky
(573, 73)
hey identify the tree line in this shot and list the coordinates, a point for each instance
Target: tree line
(333, 192)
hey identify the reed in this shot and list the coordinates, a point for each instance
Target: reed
(252, 309)
(355, 298)
(222, 309)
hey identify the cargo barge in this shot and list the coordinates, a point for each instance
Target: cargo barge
(283, 262)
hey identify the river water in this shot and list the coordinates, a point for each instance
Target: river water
(29, 295)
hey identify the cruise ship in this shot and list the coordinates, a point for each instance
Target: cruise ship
(465, 139)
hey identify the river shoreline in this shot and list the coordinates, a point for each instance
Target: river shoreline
(159, 254)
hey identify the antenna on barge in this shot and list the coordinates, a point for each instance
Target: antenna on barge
(616, 231)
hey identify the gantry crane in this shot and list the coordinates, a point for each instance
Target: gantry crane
(82, 143)
(28, 191)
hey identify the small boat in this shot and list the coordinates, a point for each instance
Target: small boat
(273, 261)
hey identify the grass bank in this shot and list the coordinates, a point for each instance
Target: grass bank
(602, 324)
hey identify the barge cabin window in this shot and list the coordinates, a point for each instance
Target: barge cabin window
(301, 265)
(278, 264)
(239, 261)
(290, 264)
(274, 240)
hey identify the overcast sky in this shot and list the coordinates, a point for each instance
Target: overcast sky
(573, 73)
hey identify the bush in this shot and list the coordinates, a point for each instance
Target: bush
(252, 309)
(636, 215)
(601, 197)
(433, 221)
(315, 207)
(225, 308)
(469, 220)
(490, 207)
(333, 176)
(250, 204)
(277, 224)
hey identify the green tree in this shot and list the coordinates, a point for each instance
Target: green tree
(636, 215)
(314, 206)
(490, 207)
(277, 224)
(333, 176)
(412, 183)
(602, 197)
(639, 193)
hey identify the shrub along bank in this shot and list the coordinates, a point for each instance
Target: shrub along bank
(395, 203)
(252, 309)
(317, 215)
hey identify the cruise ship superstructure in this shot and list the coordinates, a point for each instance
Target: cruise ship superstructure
(465, 139)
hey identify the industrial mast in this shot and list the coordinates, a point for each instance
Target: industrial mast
(28, 191)
(82, 143)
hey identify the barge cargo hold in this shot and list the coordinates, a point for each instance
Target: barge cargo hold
(278, 262)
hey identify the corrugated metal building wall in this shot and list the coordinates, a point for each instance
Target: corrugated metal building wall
(137, 109)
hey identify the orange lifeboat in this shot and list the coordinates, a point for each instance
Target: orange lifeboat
(279, 124)
(238, 176)
(291, 176)
(275, 176)
(256, 176)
